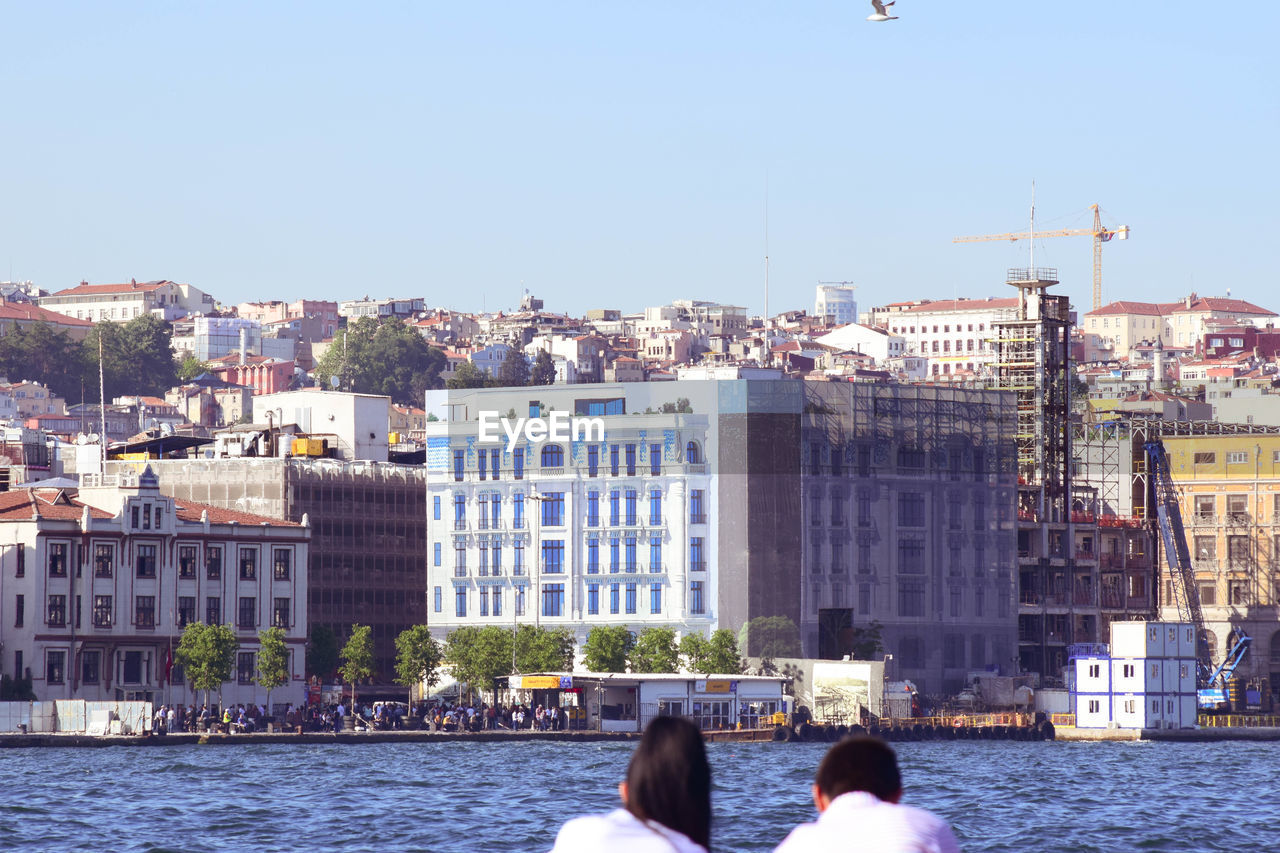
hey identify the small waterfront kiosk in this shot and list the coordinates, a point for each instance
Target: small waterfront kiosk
(627, 701)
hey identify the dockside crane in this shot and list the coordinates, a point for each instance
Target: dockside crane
(1211, 683)
(1099, 234)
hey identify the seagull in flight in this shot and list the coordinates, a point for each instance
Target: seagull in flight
(880, 13)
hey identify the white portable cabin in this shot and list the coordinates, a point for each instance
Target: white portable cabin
(1147, 682)
(1092, 697)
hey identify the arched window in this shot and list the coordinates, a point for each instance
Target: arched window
(552, 456)
(692, 453)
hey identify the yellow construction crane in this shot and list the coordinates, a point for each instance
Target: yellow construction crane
(1099, 234)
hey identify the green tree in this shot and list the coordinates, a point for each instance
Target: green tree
(655, 651)
(544, 369)
(273, 661)
(467, 375)
(771, 637)
(418, 658)
(207, 654)
(137, 357)
(322, 652)
(357, 658)
(722, 653)
(867, 642)
(544, 649)
(390, 359)
(514, 371)
(693, 651)
(190, 367)
(41, 353)
(479, 656)
(607, 647)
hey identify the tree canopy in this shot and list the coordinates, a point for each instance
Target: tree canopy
(514, 371)
(273, 661)
(322, 652)
(207, 654)
(544, 649)
(771, 637)
(717, 655)
(418, 657)
(467, 375)
(42, 353)
(607, 648)
(357, 657)
(479, 656)
(388, 358)
(655, 651)
(544, 369)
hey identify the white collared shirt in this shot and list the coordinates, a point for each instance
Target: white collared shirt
(620, 831)
(860, 821)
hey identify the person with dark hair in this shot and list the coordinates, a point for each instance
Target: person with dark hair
(856, 792)
(666, 799)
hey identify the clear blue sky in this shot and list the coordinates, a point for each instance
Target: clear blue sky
(617, 154)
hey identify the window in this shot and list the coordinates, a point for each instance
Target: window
(144, 610)
(697, 604)
(57, 611)
(1203, 458)
(520, 600)
(518, 462)
(631, 460)
(146, 561)
(55, 666)
(517, 560)
(553, 556)
(1208, 594)
(460, 601)
(1239, 550)
(553, 509)
(630, 546)
(593, 599)
(248, 564)
(593, 460)
(593, 556)
(483, 465)
(692, 453)
(435, 507)
(615, 555)
(655, 598)
(213, 564)
(655, 506)
(90, 667)
(655, 555)
(187, 561)
(1206, 548)
(614, 507)
(910, 597)
(552, 599)
(495, 549)
(212, 610)
(459, 559)
(655, 459)
(186, 610)
(553, 456)
(459, 464)
(1237, 457)
(613, 460)
(631, 507)
(697, 562)
(437, 550)
(437, 599)
(911, 457)
(1205, 507)
(615, 598)
(517, 512)
(864, 510)
(247, 617)
(495, 511)
(910, 509)
(280, 613)
(697, 510)
(631, 597)
(484, 601)
(244, 667)
(593, 509)
(57, 559)
(911, 555)
(459, 511)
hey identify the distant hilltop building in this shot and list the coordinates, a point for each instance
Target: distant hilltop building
(1124, 324)
(836, 302)
(122, 302)
(381, 309)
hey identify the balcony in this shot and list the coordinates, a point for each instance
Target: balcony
(1086, 557)
(1239, 519)
(698, 518)
(459, 524)
(1029, 598)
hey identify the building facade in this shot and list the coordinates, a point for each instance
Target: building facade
(837, 303)
(168, 300)
(954, 334)
(97, 585)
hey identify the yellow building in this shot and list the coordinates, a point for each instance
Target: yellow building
(1230, 499)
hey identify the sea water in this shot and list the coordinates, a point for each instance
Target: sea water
(467, 796)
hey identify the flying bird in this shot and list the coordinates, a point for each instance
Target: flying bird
(880, 13)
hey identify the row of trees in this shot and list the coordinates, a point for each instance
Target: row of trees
(207, 654)
(137, 358)
(514, 372)
(388, 358)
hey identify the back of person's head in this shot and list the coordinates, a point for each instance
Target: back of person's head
(860, 763)
(669, 779)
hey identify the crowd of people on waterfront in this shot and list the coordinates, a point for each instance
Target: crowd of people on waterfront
(666, 803)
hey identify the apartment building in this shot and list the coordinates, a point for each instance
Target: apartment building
(1230, 500)
(168, 300)
(835, 302)
(1123, 325)
(954, 334)
(97, 584)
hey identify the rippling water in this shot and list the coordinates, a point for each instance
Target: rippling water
(481, 797)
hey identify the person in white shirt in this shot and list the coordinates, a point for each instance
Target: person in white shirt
(856, 792)
(666, 799)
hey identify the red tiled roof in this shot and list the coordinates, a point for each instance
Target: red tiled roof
(1219, 303)
(1149, 309)
(34, 313)
(963, 305)
(191, 511)
(86, 289)
(53, 504)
